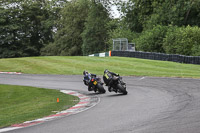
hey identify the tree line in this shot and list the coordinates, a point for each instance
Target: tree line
(82, 27)
(170, 27)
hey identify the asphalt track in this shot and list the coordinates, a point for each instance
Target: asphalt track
(153, 105)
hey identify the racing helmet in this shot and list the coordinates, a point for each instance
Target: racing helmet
(85, 72)
(105, 71)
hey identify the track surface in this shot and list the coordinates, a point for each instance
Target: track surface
(153, 105)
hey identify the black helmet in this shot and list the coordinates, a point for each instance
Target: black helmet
(85, 72)
(105, 71)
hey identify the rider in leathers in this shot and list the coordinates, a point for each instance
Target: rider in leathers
(107, 77)
(87, 78)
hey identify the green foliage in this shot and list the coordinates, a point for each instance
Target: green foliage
(137, 12)
(68, 39)
(25, 27)
(82, 27)
(156, 18)
(145, 14)
(183, 40)
(152, 40)
(171, 40)
(95, 33)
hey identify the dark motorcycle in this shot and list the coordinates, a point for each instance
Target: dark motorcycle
(118, 85)
(94, 84)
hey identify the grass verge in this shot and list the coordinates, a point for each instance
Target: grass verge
(21, 103)
(74, 65)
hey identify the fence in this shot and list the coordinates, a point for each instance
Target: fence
(122, 44)
(158, 56)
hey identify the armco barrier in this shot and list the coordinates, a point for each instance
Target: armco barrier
(158, 56)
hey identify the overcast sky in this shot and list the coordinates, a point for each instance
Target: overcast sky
(115, 12)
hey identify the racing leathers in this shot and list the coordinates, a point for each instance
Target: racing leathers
(86, 80)
(107, 77)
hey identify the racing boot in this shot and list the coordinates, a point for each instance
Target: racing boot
(90, 88)
(115, 90)
(109, 88)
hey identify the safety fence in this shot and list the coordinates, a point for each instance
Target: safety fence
(158, 56)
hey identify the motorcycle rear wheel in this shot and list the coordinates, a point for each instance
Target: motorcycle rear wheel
(101, 88)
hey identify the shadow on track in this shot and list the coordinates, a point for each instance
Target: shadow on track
(94, 94)
(115, 95)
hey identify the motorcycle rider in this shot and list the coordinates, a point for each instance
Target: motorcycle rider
(107, 77)
(87, 78)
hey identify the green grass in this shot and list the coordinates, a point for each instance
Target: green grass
(74, 65)
(20, 103)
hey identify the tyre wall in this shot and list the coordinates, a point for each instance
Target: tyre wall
(158, 56)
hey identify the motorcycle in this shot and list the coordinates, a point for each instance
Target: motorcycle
(118, 85)
(94, 84)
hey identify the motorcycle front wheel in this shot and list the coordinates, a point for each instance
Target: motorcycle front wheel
(122, 89)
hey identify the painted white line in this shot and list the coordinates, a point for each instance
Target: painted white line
(9, 129)
(67, 91)
(10, 73)
(142, 78)
(81, 104)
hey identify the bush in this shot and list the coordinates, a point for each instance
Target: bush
(183, 40)
(152, 40)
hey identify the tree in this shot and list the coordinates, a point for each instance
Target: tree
(25, 27)
(95, 33)
(137, 12)
(145, 14)
(68, 39)
(9, 26)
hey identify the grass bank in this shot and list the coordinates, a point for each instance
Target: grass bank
(74, 65)
(20, 103)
